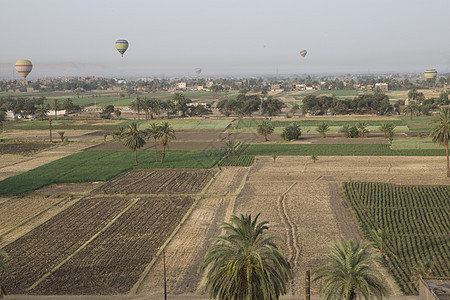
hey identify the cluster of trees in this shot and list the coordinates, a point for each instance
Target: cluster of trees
(245, 263)
(246, 105)
(178, 104)
(26, 107)
(377, 103)
(135, 138)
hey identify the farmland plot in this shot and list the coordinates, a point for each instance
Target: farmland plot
(415, 220)
(159, 181)
(49, 244)
(112, 263)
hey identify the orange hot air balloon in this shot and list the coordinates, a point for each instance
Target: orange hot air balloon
(24, 67)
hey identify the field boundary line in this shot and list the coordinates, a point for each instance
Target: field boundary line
(232, 203)
(83, 246)
(135, 289)
(37, 225)
(36, 215)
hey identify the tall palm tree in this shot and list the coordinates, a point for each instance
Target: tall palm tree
(411, 108)
(41, 112)
(349, 273)
(245, 262)
(362, 127)
(387, 129)
(68, 105)
(167, 135)
(323, 129)
(137, 105)
(380, 238)
(133, 138)
(154, 131)
(265, 128)
(3, 256)
(169, 106)
(440, 133)
(55, 108)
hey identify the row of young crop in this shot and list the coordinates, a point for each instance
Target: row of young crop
(237, 161)
(415, 222)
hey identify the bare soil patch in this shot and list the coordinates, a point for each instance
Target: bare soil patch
(68, 188)
(23, 147)
(227, 180)
(49, 244)
(158, 182)
(113, 262)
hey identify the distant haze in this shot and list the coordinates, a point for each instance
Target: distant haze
(173, 37)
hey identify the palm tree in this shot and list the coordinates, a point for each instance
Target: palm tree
(41, 112)
(349, 273)
(362, 127)
(411, 109)
(387, 129)
(167, 135)
(245, 262)
(68, 105)
(3, 256)
(55, 108)
(137, 105)
(169, 106)
(265, 128)
(440, 133)
(323, 129)
(379, 237)
(133, 138)
(154, 131)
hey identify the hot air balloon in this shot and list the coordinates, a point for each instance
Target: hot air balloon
(430, 73)
(24, 66)
(198, 70)
(303, 53)
(122, 46)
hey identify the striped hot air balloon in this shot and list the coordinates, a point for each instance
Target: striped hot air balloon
(303, 53)
(430, 73)
(198, 70)
(24, 66)
(122, 46)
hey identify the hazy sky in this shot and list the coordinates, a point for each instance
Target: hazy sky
(76, 37)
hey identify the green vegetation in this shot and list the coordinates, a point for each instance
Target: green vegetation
(415, 221)
(350, 274)
(102, 166)
(245, 262)
(177, 124)
(243, 124)
(336, 150)
(237, 161)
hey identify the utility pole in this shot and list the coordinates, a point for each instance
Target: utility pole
(164, 267)
(50, 121)
(307, 285)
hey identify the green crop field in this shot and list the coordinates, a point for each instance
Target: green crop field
(415, 220)
(66, 125)
(192, 124)
(312, 123)
(100, 102)
(336, 150)
(103, 165)
(418, 123)
(237, 161)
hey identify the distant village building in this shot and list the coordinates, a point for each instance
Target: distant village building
(209, 83)
(382, 86)
(276, 87)
(181, 85)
